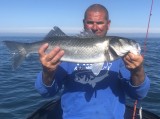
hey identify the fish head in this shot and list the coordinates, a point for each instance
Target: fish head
(128, 45)
(119, 47)
(136, 49)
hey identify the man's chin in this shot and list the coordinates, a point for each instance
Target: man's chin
(99, 34)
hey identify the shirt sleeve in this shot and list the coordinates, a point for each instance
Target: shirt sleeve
(57, 85)
(44, 90)
(135, 92)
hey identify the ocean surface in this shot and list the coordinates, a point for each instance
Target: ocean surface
(18, 97)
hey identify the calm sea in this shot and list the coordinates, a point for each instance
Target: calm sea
(18, 97)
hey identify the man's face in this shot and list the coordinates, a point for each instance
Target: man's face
(97, 22)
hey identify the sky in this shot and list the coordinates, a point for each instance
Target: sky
(39, 16)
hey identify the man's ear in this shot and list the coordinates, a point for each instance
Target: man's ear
(108, 24)
(83, 21)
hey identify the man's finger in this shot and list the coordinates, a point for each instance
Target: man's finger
(52, 53)
(135, 57)
(42, 49)
(58, 56)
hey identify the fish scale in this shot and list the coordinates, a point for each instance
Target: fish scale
(79, 49)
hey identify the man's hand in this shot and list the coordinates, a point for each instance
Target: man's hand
(134, 63)
(49, 62)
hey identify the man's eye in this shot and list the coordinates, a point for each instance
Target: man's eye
(90, 22)
(100, 22)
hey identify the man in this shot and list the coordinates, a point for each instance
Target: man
(85, 95)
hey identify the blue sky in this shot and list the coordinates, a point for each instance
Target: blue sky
(39, 16)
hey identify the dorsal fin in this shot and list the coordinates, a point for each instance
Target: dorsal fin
(86, 34)
(56, 31)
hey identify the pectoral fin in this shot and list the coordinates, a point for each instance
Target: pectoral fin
(96, 68)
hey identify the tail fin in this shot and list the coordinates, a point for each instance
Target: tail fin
(18, 51)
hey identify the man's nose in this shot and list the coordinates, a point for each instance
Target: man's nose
(94, 28)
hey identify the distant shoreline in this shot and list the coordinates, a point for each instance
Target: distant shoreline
(141, 35)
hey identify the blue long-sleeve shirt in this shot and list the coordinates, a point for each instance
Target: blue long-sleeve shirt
(87, 96)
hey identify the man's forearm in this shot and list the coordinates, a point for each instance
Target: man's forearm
(48, 78)
(137, 76)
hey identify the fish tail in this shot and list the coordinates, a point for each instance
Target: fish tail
(18, 51)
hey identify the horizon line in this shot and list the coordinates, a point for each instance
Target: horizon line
(35, 30)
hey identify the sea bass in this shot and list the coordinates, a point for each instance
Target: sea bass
(83, 48)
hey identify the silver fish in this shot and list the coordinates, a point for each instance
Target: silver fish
(83, 48)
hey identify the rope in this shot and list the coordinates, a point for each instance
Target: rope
(144, 51)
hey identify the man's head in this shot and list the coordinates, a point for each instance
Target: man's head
(96, 18)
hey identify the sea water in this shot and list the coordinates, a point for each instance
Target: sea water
(18, 97)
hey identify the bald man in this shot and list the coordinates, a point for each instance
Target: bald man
(85, 95)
